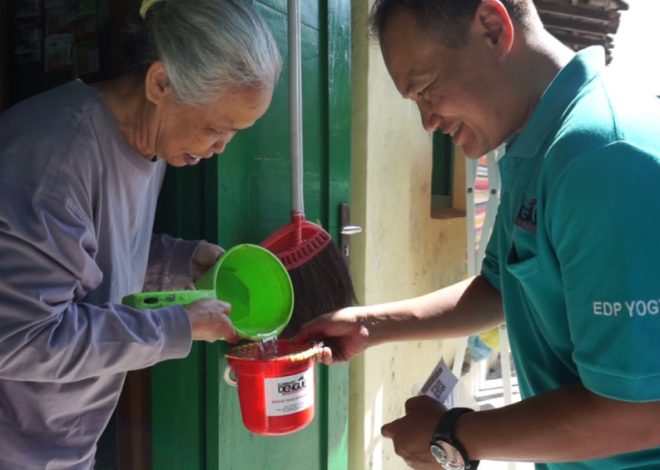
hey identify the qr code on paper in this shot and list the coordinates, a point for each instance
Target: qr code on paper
(440, 383)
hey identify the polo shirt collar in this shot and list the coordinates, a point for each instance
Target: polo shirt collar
(563, 89)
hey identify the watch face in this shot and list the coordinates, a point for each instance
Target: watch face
(439, 454)
(447, 455)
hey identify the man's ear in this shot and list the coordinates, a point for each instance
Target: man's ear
(156, 84)
(494, 26)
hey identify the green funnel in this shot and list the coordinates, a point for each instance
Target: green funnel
(251, 279)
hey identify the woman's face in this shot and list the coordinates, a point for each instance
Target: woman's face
(185, 133)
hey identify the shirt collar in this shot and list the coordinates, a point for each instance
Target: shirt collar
(581, 70)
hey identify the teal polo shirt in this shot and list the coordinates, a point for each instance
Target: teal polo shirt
(575, 249)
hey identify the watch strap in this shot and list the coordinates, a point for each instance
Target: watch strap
(445, 431)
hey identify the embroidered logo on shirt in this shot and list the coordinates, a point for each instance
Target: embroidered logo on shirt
(526, 217)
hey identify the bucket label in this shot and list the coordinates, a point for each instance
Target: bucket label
(291, 394)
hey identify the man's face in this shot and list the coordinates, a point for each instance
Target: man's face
(187, 133)
(456, 90)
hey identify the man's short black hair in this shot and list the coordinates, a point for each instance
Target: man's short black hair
(446, 19)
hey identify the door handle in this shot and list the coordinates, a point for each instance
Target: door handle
(351, 229)
(347, 230)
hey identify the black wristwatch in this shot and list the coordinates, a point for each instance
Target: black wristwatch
(446, 448)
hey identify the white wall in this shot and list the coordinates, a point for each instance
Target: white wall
(402, 252)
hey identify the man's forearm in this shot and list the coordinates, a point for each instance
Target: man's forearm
(462, 309)
(564, 425)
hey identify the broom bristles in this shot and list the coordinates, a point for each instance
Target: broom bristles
(322, 284)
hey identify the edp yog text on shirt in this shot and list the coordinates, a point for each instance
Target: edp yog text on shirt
(629, 308)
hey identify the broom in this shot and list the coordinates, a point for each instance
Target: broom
(320, 277)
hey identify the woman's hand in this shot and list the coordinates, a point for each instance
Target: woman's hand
(342, 333)
(210, 321)
(209, 317)
(204, 257)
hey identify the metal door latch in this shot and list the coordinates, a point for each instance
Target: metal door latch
(347, 229)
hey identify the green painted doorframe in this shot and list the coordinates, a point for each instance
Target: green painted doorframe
(242, 196)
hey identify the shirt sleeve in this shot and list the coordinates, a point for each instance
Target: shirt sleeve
(170, 263)
(490, 267)
(47, 333)
(604, 218)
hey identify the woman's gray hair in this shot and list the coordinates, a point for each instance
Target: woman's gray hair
(207, 47)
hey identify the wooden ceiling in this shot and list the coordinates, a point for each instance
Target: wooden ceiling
(582, 23)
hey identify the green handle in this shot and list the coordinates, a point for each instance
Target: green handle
(157, 299)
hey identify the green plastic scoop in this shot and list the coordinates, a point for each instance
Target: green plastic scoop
(249, 277)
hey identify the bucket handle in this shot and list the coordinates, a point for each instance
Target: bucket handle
(230, 377)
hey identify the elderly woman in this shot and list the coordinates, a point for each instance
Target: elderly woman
(80, 171)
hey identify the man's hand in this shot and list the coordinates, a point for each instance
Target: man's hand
(342, 334)
(210, 322)
(204, 257)
(411, 434)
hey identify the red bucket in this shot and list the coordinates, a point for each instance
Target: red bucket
(275, 385)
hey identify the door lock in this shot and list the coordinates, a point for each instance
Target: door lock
(347, 229)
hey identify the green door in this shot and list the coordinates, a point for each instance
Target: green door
(243, 196)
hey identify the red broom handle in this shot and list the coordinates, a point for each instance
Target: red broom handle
(297, 218)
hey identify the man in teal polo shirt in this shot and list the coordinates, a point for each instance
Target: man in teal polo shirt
(573, 264)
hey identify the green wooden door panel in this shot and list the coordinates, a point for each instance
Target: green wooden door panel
(177, 413)
(338, 164)
(243, 196)
(178, 402)
(338, 126)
